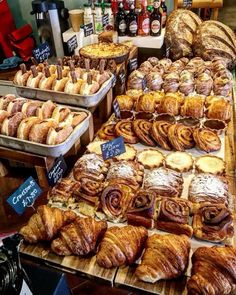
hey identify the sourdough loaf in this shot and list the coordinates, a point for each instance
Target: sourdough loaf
(214, 39)
(180, 29)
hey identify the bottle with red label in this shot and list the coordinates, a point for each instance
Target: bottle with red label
(143, 20)
(155, 20)
(163, 13)
(132, 22)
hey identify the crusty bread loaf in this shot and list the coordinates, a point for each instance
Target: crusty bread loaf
(180, 28)
(215, 39)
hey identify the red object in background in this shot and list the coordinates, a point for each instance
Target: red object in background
(7, 25)
(114, 6)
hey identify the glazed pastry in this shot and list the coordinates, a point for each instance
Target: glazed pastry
(165, 257)
(142, 130)
(213, 223)
(181, 137)
(141, 211)
(73, 85)
(5, 100)
(179, 161)
(125, 102)
(223, 85)
(193, 107)
(164, 182)
(10, 124)
(16, 105)
(173, 216)
(219, 108)
(58, 135)
(45, 224)
(206, 140)
(60, 82)
(107, 132)
(186, 85)
(204, 84)
(171, 82)
(117, 248)
(89, 87)
(170, 104)
(34, 78)
(21, 76)
(30, 108)
(206, 187)
(213, 271)
(154, 81)
(124, 128)
(95, 147)
(47, 80)
(129, 155)
(150, 158)
(39, 132)
(80, 237)
(136, 80)
(25, 126)
(145, 103)
(210, 164)
(114, 202)
(159, 133)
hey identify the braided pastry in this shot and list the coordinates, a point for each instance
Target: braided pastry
(142, 129)
(159, 132)
(206, 140)
(181, 137)
(124, 128)
(107, 132)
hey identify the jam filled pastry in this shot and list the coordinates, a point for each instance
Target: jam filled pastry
(165, 257)
(16, 105)
(21, 76)
(186, 85)
(10, 124)
(47, 80)
(218, 108)
(173, 216)
(210, 164)
(207, 140)
(193, 107)
(34, 78)
(154, 81)
(60, 82)
(142, 129)
(46, 110)
(170, 104)
(179, 161)
(39, 131)
(204, 84)
(121, 246)
(90, 87)
(159, 133)
(25, 127)
(171, 82)
(206, 187)
(141, 211)
(124, 128)
(58, 135)
(181, 137)
(150, 158)
(164, 182)
(73, 85)
(107, 132)
(136, 80)
(213, 223)
(80, 237)
(5, 100)
(213, 271)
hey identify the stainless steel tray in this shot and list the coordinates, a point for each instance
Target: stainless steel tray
(87, 101)
(44, 149)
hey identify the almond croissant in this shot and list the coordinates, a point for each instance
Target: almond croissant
(80, 237)
(121, 245)
(46, 223)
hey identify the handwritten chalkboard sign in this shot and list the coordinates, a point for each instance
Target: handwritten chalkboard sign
(187, 3)
(133, 64)
(24, 196)
(72, 44)
(113, 148)
(57, 171)
(42, 52)
(122, 78)
(105, 20)
(116, 108)
(88, 30)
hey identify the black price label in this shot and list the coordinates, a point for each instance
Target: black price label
(116, 108)
(42, 52)
(105, 20)
(72, 44)
(88, 30)
(187, 3)
(133, 64)
(113, 148)
(58, 170)
(24, 196)
(122, 78)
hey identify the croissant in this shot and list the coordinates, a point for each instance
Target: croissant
(213, 271)
(121, 246)
(165, 257)
(46, 223)
(79, 237)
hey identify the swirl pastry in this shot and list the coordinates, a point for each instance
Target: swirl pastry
(213, 223)
(206, 187)
(171, 82)
(115, 201)
(142, 209)
(145, 103)
(159, 132)
(206, 140)
(150, 158)
(125, 102)
(124, 128)
(170, 104)
(193, 107)
(179, 161)
(186, 85)
(223, 85)
(164, 182)
(142, 130)
(181, 137)
(219, 108)
(107, 132)
(136, 80)
(154, 81)
(204, 84)
(173, 216)
(210, 164)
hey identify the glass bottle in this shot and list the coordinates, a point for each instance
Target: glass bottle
(132, 22)
(88, 16)
(98, 19)
(164, 13)
(121, 21)
(143, 20)
(108, 11)
(155, 20)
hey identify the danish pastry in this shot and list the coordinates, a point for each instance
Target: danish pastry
(159, 132)
(193, 107)
(142, 130)
(124, 128)
(150, 158)
(179, 161)
(107, 132)
(181, 137)
(206, 140)
(210, 164)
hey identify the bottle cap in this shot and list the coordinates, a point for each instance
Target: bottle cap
(97, 5)
(86, 5)
(107, 5)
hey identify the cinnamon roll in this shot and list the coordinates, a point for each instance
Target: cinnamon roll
(204, 84)
(173, 216)
(193, 107)
(154, 81)
(124, 128)
(171, 82)
(181, 137)
(206, 140)
(142, 130)
(107, 132)
(159, 132)
(213, 223)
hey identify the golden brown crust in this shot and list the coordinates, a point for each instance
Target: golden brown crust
(150, 158)
(210, 164)
(179, 161)
(206, 140)
(193, 107)
(125, 102)
(181, 137)
(170, 104)
(107, 132)
(145, 103)
(142, 130)
(129, 155)
(219, 109)
(124, 128)
(159, 132)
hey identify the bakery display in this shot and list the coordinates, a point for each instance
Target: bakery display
(213, 271)
(107, 132)
(129, 155)
(150, 158)
(117, 248)
(206, 140)
(165, 257)
(179, 161)
(210, 164)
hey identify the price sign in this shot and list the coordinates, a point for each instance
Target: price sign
(122, 78)
(24, 196)
(133, 64)
(187, 3)
(113, 148)
(88, 30)
(57, 171)
(105, 20)
(116, 108)
(72, 44)
(144, 83)
(42, 52)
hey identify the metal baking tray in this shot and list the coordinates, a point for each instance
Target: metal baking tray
(87, 101)
(44, 149)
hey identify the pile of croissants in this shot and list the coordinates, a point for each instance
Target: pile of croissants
(68, 79)
(36, 121)
(164, 257)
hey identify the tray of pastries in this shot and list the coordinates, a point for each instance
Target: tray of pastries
(65, 84)
(43, 128)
